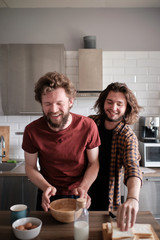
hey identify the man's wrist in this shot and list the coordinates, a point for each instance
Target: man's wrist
(84, 187)
(133, 198)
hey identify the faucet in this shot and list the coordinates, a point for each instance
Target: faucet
(2, 145)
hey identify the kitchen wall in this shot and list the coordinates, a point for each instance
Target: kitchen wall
(140, 70)
(129, 38)
(116, 29)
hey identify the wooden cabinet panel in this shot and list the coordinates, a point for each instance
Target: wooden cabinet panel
(5, 132)
(90, 70)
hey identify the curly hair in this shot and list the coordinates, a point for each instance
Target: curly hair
(51, 81)
(132, 110)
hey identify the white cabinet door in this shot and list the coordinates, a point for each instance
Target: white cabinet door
(150, 195)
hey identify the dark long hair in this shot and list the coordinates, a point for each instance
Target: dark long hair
(133, 109)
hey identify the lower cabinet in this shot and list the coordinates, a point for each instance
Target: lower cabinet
(17, 190)
(150, 196)
(149, 199)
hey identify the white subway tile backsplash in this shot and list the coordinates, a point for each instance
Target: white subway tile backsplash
(136, 70)
(107, 78)
(152, 102)
(71, 62)
(148, 63)
(82, 111)
(32, 118)
(13, 142)
(154, 71)
(147, 79)
(86, 102)
(107, 81)
(137, 86)
(152, 111)
(113, 70)
(13, 126)
(18, 119)
(113, 54)
(125, 63)
(140, 70)
(142, 102)
(153, 86)
(154, 54)
(22, 127)
(107, 63)
(124, 78)
(3, 120)
(148, 95)
(136, 54)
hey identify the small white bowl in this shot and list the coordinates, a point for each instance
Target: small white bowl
(27, 234)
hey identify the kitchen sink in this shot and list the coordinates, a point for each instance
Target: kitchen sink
(5, 167)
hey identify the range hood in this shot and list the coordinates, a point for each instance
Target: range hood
(90, 72)
(21, 66)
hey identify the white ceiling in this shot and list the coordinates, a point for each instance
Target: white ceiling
(79, 3)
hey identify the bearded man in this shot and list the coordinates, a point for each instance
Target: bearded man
(66, 144)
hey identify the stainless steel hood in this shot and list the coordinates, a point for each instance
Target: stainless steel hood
(90, 72)
(21, 66)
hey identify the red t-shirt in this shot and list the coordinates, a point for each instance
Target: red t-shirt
(62, 155)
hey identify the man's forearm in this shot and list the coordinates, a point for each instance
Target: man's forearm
(134, 186)
(90, 176)
(36, 177)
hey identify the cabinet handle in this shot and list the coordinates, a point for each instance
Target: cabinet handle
(153, 179)
(19, 133)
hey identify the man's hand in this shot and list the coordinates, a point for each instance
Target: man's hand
(83, 194)
(126, 214)
(50, 191)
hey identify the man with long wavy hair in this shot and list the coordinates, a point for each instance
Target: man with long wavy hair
(117, 108)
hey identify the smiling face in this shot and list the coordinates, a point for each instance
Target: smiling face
(56, 106)
(115, 106)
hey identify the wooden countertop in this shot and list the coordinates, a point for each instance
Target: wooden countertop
(51, 229)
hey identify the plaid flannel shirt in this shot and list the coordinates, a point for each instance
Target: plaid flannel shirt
(125, 158)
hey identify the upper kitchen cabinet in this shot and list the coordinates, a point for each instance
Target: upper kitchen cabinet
(21, 65)
(90, 70)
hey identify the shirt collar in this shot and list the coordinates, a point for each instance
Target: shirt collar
(119, 127)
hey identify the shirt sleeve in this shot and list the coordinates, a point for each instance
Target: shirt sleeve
(131, 158)
(94, 139)
(27, 143)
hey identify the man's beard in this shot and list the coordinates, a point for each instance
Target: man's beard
(113, 120)
(60, 125)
